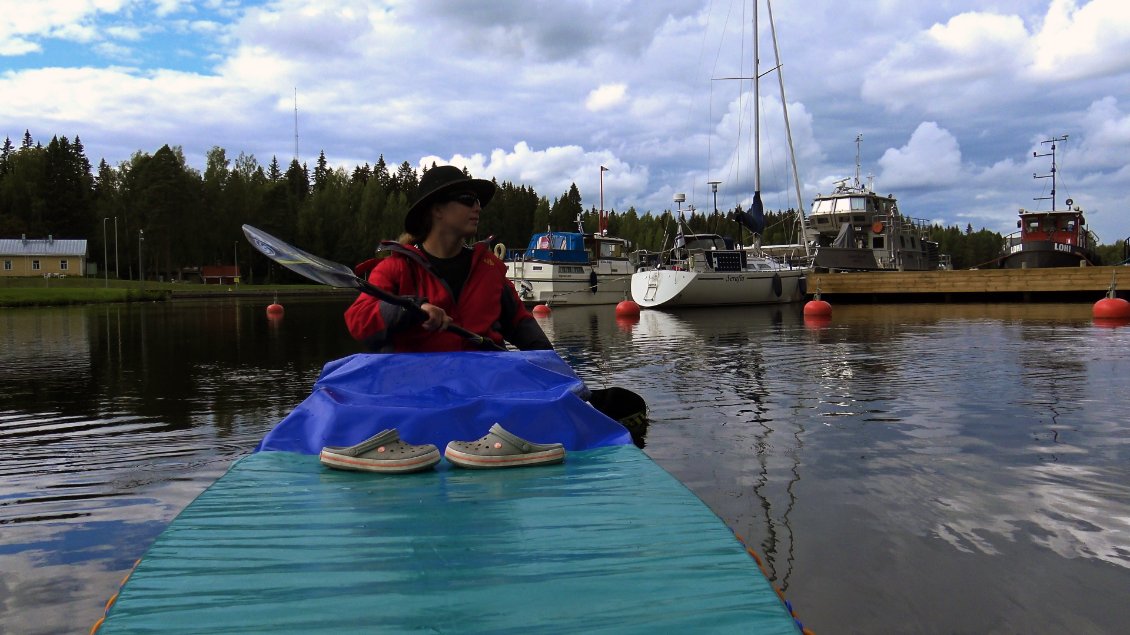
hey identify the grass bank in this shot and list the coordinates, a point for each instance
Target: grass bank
(15, 292)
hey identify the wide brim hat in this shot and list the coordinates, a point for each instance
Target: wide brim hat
(436, 183)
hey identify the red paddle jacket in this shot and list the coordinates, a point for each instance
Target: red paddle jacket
(488, 305)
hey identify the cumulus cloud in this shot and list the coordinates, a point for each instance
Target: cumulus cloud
(543, 94)
(931, 158)
(606, 96)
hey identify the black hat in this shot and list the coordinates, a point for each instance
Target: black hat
(433, 185)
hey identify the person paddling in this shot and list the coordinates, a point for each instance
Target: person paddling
(453, 284)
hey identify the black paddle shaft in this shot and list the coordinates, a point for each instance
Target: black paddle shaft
(338, 275)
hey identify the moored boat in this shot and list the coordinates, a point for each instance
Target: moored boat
(1055, 238)
(706, 271)
(281, 543)
(563, 268)
(859, 230)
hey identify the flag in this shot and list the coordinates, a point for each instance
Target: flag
(603, 169)
(680, 240)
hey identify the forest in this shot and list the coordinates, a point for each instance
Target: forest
(180, 218)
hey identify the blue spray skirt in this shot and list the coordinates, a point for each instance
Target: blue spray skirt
(606, 541)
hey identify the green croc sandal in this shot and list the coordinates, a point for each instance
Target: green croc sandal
(383, 452)
(500, 448)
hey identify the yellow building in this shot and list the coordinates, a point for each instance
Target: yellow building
(24, 257)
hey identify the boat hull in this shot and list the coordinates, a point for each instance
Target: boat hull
(847, 259)
(1045, 254)
(559, 285)
(668, 288)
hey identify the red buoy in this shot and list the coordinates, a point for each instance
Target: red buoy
(817, 322)
(274, 309)
(542, 309)
(627, 308)
(1111, 308)
(817, 308)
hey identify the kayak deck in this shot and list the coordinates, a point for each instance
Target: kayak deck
(607, 541)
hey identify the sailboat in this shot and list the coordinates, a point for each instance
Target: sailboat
(709, 270)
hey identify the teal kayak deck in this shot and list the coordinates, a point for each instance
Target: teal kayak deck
(606, 542)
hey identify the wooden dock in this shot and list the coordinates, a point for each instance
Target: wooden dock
(1066, 284)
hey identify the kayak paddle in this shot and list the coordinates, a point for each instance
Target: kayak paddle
(338, 275)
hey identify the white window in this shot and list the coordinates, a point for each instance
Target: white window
(35, 265)
(7, 265)
(62, 265)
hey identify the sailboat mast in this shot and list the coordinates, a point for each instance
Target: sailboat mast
(756, 111)
(788, 130)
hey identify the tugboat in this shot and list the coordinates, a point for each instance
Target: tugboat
(859, 230)
(1050, 239)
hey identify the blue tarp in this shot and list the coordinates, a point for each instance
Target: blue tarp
(439, 397)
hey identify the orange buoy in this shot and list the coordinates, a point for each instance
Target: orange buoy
(542, 309)
(877, 227)
(817, 308)
(1111, 309)
(274, 309)
(627, 308)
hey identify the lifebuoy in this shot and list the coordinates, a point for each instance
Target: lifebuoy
(777, 284)
(877, 227)
(500, 250)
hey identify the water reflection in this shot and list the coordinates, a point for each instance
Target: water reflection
(900, 468)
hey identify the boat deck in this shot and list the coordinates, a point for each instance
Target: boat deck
(606, 542)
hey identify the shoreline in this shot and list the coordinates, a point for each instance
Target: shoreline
(84, 292)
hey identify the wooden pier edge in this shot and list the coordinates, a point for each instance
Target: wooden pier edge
(1062, 283)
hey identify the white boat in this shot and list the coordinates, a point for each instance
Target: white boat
(709, 273)
(571, 268)
(705, 270)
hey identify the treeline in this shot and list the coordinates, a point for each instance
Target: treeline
(176, 217)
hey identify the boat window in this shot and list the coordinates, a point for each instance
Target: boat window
(877, 242)
(902, 241)
(914, 242)
(823, 206)
(1071, 225)
(859, 218)
(858, 203)
(537, 267)
(822, 220)
(1033, 225)
(611, 250)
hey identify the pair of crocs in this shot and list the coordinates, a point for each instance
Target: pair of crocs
(385, 452)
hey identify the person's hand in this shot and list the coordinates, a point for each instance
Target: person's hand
(438, 319)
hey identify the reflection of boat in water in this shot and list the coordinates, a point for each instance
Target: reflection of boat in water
(859, 230)
(710, 273)
(571, 268)
(1055, 238)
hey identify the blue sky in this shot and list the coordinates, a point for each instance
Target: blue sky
(951, 97)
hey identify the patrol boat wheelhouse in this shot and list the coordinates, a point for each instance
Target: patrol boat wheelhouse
(859, 230)
(564, 268)
(1056, 238)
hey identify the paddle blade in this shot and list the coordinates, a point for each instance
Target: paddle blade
(303, 263)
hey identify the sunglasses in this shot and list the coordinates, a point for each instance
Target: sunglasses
(467, 199)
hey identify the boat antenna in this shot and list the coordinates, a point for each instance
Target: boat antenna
(858, 145)
(1051, 154)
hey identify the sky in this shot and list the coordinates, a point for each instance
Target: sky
(946, 102)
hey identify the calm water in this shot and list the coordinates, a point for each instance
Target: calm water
(915, 468)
